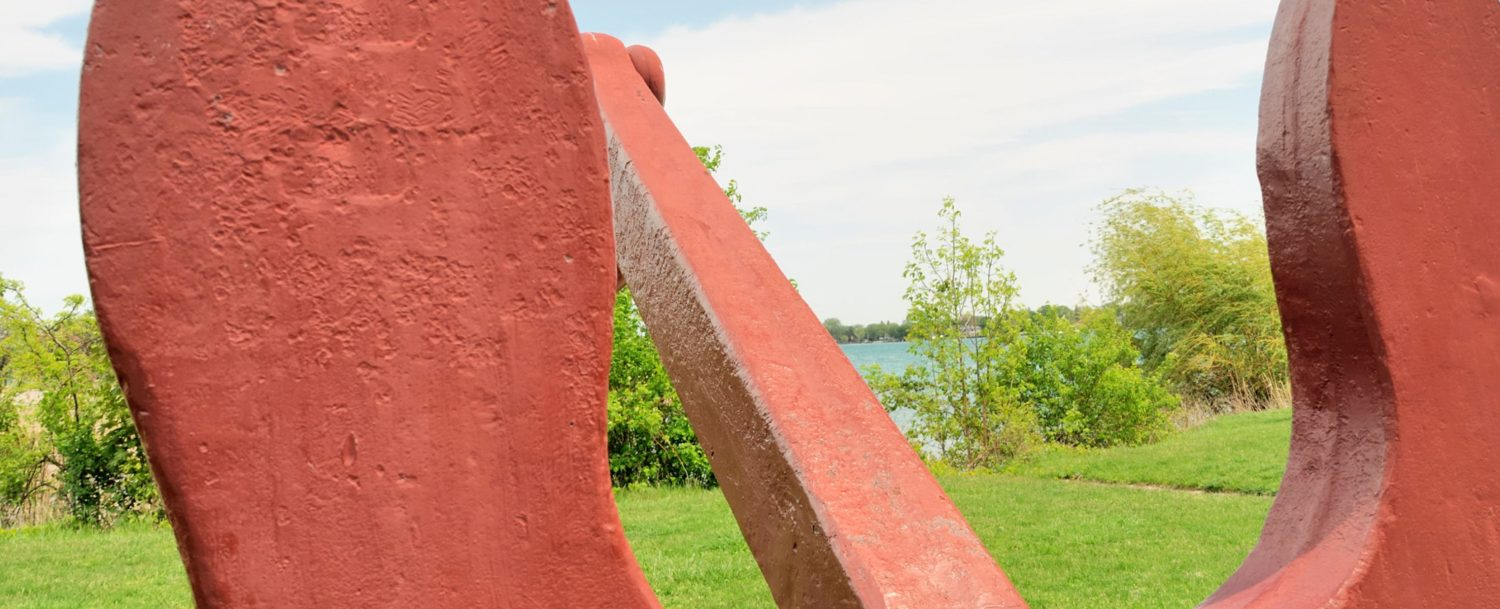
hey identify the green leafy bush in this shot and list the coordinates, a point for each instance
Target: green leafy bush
(65, 431)
(995, 380)
(650, 438)
(1084, 381)
(105, 475)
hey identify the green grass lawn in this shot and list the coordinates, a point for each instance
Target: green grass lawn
(1243, 453)
(1066, 544)
(59, 568)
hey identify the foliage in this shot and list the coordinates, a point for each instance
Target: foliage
(64, 427)
(1194, 287)
(962, 407)
(712, 158)
(650, 438)
(995, 380)
(877, 332)
(1083, 380)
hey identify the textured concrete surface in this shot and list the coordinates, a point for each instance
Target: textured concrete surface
(1380, 161)
(354, 263)
(835, 505)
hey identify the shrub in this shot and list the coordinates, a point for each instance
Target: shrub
(650, 438)
(995, 380)
(65, 430)
(1084, 381)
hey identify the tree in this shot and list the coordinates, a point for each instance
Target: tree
(65, 430)
(873, 332)
(885, 331)
(996, 379)
(837, 329)
(859, 334)
(1194, 287)
(963, 410)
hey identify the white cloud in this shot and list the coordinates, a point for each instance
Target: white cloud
(852, 121)
(40, 14)
(24, 46)
(41, 245)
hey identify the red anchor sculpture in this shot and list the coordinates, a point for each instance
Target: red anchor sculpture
(355, 259)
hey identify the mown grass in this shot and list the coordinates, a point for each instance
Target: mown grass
(691, 549)
(1066, 544)
(130, 566)
(1242, 453)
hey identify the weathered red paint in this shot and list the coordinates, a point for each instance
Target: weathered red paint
(648, 64)
(835, 505)
(1380, 161)
(355, 266)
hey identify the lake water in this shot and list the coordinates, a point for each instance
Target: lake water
(891, 357)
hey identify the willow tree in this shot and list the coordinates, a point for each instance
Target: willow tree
(1194, 287)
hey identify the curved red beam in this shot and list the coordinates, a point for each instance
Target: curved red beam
(835, 505)
(1380, 161)
(358, 290)
(354, 263)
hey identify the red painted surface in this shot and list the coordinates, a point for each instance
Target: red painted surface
(355, 266)
(1380, 161)
(648, 64)
(354, 263)
(836, 507)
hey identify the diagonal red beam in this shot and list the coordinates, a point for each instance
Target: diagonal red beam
(1380, 162)
(835, 505)
(354, 262)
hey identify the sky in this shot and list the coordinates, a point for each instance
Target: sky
(849, 120)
